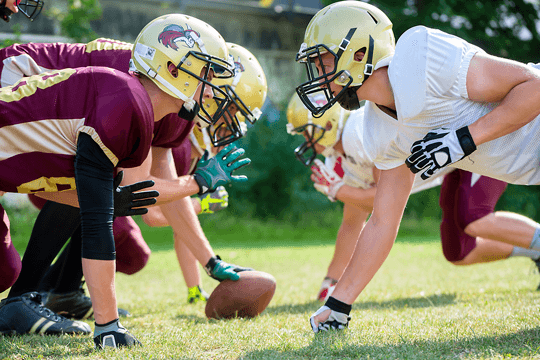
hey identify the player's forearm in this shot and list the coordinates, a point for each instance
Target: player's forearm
(175, 189)
(519, 107)
(372, 249)
(186, 226)
(361, 198)
(352, 224)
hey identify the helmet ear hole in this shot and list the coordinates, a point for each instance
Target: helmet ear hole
(328, 126)
(173, 70)
(359, 54)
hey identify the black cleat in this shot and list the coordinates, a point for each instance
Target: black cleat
(74, 305)
(25, 314)
(116, 339)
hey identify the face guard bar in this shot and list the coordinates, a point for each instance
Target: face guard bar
(29, 8)
(220, 69)
(305, 152)
(231, 128)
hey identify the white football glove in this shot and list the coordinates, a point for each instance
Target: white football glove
(439, 148)
(336, 321)
(326, 180)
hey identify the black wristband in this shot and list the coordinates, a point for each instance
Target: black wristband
(211, 264)
(106, 324)
(465, 140)
(336, 305)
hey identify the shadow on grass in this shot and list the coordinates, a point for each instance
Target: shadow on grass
(412, 302)
(333, 345)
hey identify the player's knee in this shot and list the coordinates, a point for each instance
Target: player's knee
(474, 227)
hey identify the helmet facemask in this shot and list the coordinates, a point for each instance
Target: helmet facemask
(233, 127)
(316, 83)
(219, 69)
(30, 8)
(305, 152)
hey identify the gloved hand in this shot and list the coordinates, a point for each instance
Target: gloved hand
(219, 270)
(333, 315)
(325, 180)
(217, 171)
(125, 197)
(214, 201)
(113, 335)
(439, 148)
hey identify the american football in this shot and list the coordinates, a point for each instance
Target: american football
(245, 298)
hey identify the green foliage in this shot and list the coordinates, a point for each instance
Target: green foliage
(279, 186)
(16, 40)
(76, 22)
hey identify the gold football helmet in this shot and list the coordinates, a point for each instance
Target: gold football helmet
(201, 141)
(195, 48)
(342, 29)
(325, 130)
(247, 90)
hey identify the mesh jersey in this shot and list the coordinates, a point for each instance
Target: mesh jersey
(357, 165)
(22, 60)
(428, 75)
(41, 117)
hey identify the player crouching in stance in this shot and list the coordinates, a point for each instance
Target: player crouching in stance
(247, 90)
(112, 125)
(429, 80)
(348, 175)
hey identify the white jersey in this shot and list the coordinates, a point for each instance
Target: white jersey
(358, 166)
(428, 74)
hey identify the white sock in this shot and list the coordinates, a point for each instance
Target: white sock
(535, 243)
(519, 251)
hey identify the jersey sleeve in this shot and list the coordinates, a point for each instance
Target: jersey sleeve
(122, 121)
(182, 158)
(171, 131)
(428, 63)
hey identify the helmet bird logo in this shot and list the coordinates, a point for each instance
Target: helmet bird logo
(172, 34)
(238, 65)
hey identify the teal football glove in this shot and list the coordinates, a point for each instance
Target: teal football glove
(217, 171)
(215, 201)
(220, 270)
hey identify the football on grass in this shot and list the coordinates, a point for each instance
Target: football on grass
(245, 298)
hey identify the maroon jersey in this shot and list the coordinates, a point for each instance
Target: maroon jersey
(41, 117)
(182, 159)
(22, 60)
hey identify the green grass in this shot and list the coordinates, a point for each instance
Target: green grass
(418, 306)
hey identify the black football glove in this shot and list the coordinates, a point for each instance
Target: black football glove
(5, 12)
(126, 199)
(439, 148)
(339, 316)
(219, 270)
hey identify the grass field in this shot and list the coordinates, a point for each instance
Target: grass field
(418, 306)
